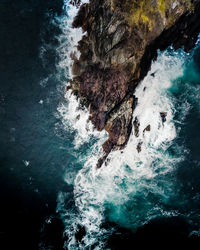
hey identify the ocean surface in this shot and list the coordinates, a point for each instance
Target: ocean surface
(51, 194)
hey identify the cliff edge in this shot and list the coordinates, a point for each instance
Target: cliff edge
(121, 40)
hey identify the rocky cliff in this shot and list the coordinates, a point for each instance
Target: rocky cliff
(121, 40)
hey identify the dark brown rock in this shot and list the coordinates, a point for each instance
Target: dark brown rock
(148, 129)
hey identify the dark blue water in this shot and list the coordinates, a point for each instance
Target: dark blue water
(35, 149)
(28, 193)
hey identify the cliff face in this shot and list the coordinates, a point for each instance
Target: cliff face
(121, 41)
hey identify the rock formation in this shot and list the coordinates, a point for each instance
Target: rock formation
(121, 40)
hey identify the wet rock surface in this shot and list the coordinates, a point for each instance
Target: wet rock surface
(121, 40)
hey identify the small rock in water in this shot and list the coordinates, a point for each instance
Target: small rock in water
(163, 116)
(148, 129)
(75, 2)
(101, 161)
(107, 161)
(136, 126)
(139, 147)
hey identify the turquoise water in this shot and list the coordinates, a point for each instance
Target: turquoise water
(51, 193)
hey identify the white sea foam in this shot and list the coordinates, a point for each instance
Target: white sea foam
(26, 163)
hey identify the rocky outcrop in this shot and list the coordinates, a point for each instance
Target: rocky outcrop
(121, 41)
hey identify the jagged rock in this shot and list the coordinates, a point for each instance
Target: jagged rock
(119, 124)
(116, 53)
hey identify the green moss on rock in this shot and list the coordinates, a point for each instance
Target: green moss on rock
(144, 12)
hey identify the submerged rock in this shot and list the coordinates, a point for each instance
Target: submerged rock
(163, 116)
(122, 39)
(139, 147)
